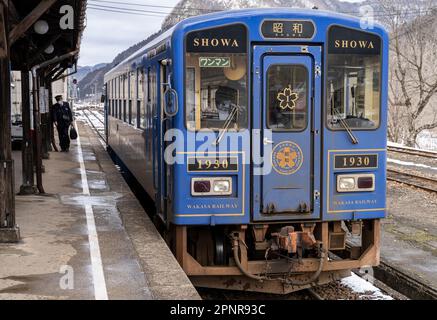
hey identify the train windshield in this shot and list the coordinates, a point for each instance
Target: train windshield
(216, 91)
(353, 80)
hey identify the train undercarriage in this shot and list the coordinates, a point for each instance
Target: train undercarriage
(275, 258)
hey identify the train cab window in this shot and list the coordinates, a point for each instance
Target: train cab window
(287, 97)
(353, 79)
(216, 91)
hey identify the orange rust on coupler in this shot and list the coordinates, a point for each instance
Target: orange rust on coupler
(291, 240)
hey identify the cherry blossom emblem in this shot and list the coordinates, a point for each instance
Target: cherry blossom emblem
(287, 98)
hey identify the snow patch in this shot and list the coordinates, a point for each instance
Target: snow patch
(427, 140)
(367, 290)
(410, 164)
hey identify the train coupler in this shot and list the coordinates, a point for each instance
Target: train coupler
(292, 241)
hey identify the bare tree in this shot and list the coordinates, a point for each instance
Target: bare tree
(413, 67)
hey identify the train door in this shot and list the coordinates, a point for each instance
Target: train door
(165, 125)
(287, 101)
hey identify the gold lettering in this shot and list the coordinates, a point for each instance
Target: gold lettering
(214, 42)
(363, 44)
(196, 42)
(278, 27)
(235, 43)
(226, 42)
(205, 42)
(297, 28)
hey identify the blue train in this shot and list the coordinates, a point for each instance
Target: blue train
(260, 134)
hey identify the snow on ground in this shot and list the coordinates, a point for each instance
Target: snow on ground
(427, 140)
(410, 164)
(365, 288)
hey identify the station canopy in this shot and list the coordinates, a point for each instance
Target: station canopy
(43, 30)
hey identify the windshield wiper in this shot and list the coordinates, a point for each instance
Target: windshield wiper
(228, 121)
(342, 122)
(346, 127)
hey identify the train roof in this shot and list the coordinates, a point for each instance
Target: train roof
(244, 14)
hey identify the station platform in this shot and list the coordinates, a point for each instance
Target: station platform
(88, 237)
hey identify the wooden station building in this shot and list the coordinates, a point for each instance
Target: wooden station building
(41, 39)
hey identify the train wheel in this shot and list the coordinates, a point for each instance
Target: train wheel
(220, 247)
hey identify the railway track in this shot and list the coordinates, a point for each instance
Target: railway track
(98, 128)
(414, 180)
(409, 286)
(422, 153)
(222, 294)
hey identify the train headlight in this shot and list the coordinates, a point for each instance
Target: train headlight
(222, 186)
(211, 186)
(345, 184)
(355, 182)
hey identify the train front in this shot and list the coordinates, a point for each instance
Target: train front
(279, 176)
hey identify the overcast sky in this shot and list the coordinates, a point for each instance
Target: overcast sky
(108, 33)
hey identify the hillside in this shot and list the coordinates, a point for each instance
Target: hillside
(188, 8)
(94, 78)
(82, 71)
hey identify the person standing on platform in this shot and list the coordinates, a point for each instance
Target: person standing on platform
(62, 118)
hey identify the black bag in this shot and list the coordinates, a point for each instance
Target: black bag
(73, 133)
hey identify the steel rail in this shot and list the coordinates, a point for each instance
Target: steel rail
(404, 283)
(414, 180)
(422, 153)
(93, 125)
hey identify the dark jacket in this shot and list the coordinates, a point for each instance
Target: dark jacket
(62, 114)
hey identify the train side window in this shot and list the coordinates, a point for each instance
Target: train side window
(120, 107)
(142, 88)
(125, 96)
(141, 105)
(112, 97)
(287, 97)
(133, 99)
(153, 96)
(120, 95)
(108, 95)
(114, 101)
(115, 97)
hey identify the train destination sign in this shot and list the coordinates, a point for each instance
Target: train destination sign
(288, 29)
(350, 41)
(355, 161)
(226, 39)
